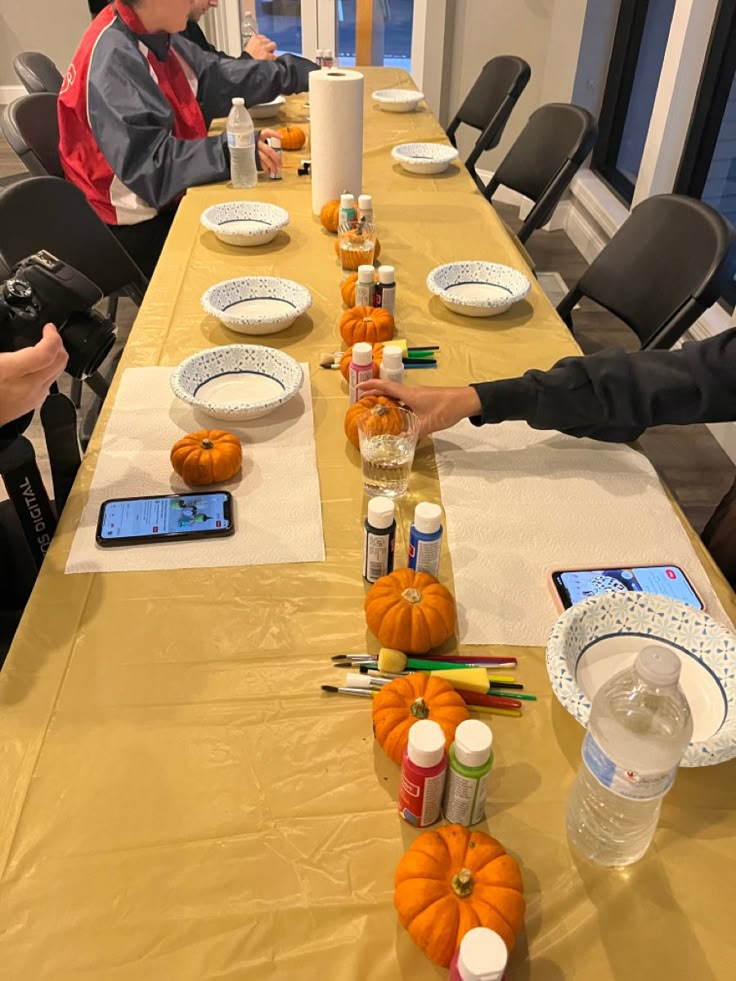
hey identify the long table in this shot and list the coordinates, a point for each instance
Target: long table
(178, 800)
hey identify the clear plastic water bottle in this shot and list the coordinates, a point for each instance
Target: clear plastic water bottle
(639, 727)
(248, 27)
(241, 140)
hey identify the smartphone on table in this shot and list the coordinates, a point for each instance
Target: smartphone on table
(573, 585)
(174, 517)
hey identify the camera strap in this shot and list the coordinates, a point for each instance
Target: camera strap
(59, 421)
(26, 490)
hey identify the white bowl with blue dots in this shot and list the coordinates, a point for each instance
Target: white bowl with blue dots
(601, 636)
(245, 223)
(424, 158)
(257, 304)
(478, 289)
(237, 382)
(397, 100)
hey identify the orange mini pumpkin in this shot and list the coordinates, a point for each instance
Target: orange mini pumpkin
(369, 324)
(351, 260)
(410, 611)
(347, 357)
(452, 880)
(207, 457)
(330, 215)
(292, 137)
(384, 417)
(403, 701)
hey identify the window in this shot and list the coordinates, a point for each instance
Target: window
(639, 45)
(708, 168)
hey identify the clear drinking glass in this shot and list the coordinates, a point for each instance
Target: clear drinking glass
(357, 245)
(387, 443)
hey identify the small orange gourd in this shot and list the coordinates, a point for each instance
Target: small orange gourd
(292, 137)
(410, 611)
(369, 324)
(351, 260)
(384, 418)
(452, 880)
(347, 357)
(207, 457)
(330, 215)
(403, 701)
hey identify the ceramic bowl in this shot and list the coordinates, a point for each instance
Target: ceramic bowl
(600, 636)
(424, 158)
(478, 289)
(238, 381)
(245, 223)
(397, 100)
(257, 304)
(265, 110)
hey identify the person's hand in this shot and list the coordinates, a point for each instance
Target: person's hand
(25, 375)
(437, 408)
(261, 48)
(270, 160)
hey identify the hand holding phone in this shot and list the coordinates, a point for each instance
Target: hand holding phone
(174, 517)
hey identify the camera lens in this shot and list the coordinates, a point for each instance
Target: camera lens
(88, 339)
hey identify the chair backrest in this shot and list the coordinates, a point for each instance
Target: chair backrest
(488, 104)
(544, 158)
(37, 72)
(672, 258)
(53, 214)
(31, 127)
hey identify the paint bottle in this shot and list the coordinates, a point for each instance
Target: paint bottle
(365, 207)
(379, 539)
(423, 771)
(471, 760)
(392, 365)
(481, 956)
(425, 538)
(347, 214)
(319, 59)
(385, 295)
(364, 286)
(328, 58)
(275, 143)
(360, 369)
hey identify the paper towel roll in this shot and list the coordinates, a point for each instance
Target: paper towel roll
(336, 134)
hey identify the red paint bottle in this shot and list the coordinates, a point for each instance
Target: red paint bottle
(481, 956)
(423, 772)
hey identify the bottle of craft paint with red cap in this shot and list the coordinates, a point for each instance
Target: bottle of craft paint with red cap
(481, 956)
(423, 772)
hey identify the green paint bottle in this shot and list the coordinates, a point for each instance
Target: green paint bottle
(471, 760)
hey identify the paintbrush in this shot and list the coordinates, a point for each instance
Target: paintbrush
(358, 692)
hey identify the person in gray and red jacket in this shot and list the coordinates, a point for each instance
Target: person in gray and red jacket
(134, 110)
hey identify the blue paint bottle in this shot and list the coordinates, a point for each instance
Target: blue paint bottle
(425, 538)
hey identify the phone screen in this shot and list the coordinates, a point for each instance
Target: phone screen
(663, 580)
(127, 521)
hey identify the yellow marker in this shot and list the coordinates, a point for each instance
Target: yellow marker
(487, 710)
(493, 677)
(469, 679)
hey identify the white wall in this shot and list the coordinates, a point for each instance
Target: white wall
(54, 27)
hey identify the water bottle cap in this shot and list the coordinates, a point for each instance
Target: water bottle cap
(237, 101)
(482, 955)
(347, 200)
(426, 746)
(658, 665)
(380, 512)
(427, 517)
(473, 741)
(386, 275)
(393, 356)
(362, 353)
(366, 274)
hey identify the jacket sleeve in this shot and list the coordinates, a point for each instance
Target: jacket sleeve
(133, 126)
(221, 78)
(615, 396)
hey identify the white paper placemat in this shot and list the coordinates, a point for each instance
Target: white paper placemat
(278, 517)
(520, 504)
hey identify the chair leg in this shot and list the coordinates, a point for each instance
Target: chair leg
(75, 392)
(565, 307)
(112, 306)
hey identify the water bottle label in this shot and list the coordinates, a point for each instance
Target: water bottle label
(239, 141)
(624, 783)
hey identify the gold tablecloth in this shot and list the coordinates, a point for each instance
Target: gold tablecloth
(179, 802)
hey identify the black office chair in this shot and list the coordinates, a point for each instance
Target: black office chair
(671, 259)
(31, 127)
(545, 157)
(489, 103)
(37, 72)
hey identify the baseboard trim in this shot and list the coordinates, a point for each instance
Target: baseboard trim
(9, 93)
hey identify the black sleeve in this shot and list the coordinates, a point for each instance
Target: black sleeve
(615, 396)
(194, 33)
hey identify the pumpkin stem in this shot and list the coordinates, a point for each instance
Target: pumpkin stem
(419, 708)
(207, 444)
(412, 595)
(462, 883)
